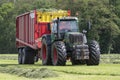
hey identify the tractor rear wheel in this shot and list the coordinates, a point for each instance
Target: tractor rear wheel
(46, 53)
(28, 56)
(58, 53)
(94, 56)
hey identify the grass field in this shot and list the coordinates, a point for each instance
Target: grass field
(109, 69)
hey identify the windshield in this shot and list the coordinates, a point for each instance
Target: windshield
(68, 26)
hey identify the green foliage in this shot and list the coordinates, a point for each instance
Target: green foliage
(7, 27)
(102, 15)
(105, 22)
(116, 44)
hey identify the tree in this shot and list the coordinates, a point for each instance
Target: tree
(101, 18)
(7, 29)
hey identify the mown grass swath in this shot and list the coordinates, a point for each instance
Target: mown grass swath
(104, 71)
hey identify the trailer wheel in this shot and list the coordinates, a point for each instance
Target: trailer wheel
(46, 53)
(94, 56)
(58, 53)
(20, 56)
(36, 58)
(28, 56)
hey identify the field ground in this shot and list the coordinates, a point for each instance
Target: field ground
(109, 69)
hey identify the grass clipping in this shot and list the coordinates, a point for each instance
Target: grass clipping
(30, 73)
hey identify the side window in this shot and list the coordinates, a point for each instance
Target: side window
(54, 27)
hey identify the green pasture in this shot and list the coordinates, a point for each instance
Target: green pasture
(109, 69)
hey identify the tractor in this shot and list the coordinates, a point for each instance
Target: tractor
(66, 42)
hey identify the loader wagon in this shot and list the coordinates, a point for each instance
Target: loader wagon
(53, 36)
(30, 27)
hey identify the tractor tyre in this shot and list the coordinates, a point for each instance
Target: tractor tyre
(94, 55)
(58, 53)
(28, 56)
(46, 53)
(20, 56)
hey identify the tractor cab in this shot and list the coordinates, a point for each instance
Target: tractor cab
(62, 26)
(66, 24)
(66, 42)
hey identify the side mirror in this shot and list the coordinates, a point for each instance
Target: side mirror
(84, 31)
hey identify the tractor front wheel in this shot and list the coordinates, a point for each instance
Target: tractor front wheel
(58, 53)
(94, 56)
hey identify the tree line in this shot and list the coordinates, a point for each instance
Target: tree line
(101, 19)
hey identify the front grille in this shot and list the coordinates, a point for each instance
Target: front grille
(76, 38)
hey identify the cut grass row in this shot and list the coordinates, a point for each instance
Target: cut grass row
(104, 71)
(110, 58)
(6, 76)
(62, 76)
(69, 72)
(8, 56)
(29, 73)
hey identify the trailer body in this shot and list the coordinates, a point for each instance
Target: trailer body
(31, 26)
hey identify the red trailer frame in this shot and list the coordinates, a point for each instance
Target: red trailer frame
(29, 29)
